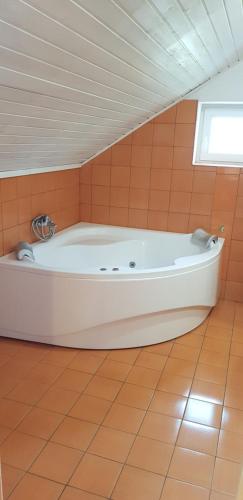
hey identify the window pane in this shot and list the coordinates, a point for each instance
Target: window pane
(226, 135)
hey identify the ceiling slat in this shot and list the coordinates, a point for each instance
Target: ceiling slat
(28, 121)
(91, 54)
(110, 40)
(54, 103)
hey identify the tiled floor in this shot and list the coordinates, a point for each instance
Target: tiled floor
(163, 422)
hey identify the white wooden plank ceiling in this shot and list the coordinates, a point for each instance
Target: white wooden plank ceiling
(76, 75)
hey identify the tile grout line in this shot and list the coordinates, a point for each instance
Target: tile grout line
(223, 406)
(182, 419)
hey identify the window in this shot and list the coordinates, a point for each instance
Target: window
(219, 135)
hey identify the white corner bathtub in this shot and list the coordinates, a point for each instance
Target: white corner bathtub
(64, 298)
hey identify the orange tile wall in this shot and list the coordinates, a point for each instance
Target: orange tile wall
(147, 180)
(22, 198)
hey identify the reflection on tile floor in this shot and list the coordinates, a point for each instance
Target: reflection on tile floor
(163, 422)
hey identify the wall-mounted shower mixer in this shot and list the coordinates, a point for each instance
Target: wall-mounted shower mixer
(43, 227)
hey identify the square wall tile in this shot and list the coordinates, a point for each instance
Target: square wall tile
(162, 157)
(141, 156)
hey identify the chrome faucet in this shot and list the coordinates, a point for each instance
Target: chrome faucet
(43, 227)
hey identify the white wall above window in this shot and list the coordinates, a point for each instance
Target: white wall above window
(219, 134)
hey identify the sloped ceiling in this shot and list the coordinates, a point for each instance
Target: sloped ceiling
(76, 75)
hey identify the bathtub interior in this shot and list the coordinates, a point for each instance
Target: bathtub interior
(92, 248)
(107, 249)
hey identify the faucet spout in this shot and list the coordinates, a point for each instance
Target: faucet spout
(24, 251)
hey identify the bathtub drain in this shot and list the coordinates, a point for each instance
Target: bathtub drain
(103, 269)
(132, 264)
(115, 269)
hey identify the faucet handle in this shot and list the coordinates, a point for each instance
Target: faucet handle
(42, 222)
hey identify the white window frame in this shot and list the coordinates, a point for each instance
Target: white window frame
(207, 110)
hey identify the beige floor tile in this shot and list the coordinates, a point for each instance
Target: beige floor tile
(185, 352)
(124, 418)
(203, 412)
(198, 437)
(233, 397)
(163, 348)
(230, 446)
(36, 488)
(20, 450)
(220, 496)
(143, 376)
(73, 380)
(135, 396)
(56, 462)
(74, 494)
(235, 365)
(44, 373)
(161, 427)
(86, 362)
(232, 420)
(176, 490)
(216, 345)
(192, 467)
(168, 404)
(90, 408)
(4, 358)
(101, 353)
(209, 373)
(150, 455)
(201, 329)
(28, 392)
(4, 433)
(19, 368)
(59, 400)
(59, 356)
(96, 475)
(10, 477)
(12, 412)
(124, 355)
(180, 367)
(237, 335)
(175, 384)
(103, 388)
(223, 314)
(8, 382)
(218, 333)
(40, 423)
(151, 360)
(137, 484)
(226, 476)
(75, 433)
(112, 444)
(190, 340)
(32, 350)
(207, 391)
(219, 359)
(114, 370)
(9, 347)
